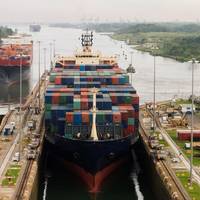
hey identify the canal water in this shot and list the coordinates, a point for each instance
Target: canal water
(172, 79)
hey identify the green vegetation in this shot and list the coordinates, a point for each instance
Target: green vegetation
(11, 176)
(181, 144)
(177, 41)
(163, 142)
(183, 101)
(194, 190)
(5, 32)
(180, 41)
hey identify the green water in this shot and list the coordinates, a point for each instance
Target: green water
(123, 184)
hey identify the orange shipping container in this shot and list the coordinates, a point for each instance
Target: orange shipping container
(85, 117)
(69, 117)
(55, 98)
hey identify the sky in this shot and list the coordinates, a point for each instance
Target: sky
(98, 10)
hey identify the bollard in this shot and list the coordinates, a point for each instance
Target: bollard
(166, 179)
(169, 185)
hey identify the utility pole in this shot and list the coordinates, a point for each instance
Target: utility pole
(154, 87)
(54, 48)
(193, 61)
(154, 93)
(50, 54)
(39, 73)
(45, 60)
(20, 107)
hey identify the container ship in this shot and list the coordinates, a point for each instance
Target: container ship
(15, 51)
(91, 113)
(34, 28)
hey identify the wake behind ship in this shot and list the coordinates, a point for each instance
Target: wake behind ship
(91, 113)
(15, 52)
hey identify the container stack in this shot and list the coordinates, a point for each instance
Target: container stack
(69, 102)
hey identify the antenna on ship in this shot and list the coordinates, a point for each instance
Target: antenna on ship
(87, 40)
(94, 111)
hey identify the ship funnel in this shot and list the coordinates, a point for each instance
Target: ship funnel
(94, 111)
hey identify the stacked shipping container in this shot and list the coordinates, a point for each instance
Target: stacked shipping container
(68, 102)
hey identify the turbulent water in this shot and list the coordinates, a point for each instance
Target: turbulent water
(172, 78)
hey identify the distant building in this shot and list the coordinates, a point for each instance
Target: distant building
(186, 134)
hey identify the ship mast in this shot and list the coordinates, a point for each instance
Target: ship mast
(87, 41)
(94, 111)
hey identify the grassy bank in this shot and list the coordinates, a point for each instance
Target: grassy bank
(11, 176)
(194, 190)
(177, 41)
(181, 46)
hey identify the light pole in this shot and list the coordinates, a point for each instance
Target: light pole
(54, 48)
(45, 60)
(39, 73)
(50, 53)
(154, 87)
(20, 106)
(193, 61)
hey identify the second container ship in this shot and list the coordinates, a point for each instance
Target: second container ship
(15, 51)
(91, 113)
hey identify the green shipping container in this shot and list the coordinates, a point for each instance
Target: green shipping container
(77, 104)
(47, 107)
(100, 117)
(131, 121)
(126, 79)
(63, 99)
(48, 115)
(52, 78)
(128, 100)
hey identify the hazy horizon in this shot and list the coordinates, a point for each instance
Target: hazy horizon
(47, 11)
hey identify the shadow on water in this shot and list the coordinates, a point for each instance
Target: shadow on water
(127, 183)
(10, 93)
(10, 84)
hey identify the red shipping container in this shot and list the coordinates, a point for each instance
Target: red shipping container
(84, 95)
(58, 81)
(131, 113)
(130, 129)
(115, 80)
(89, 79)
(113, 99)
(69, 117)
(124, 115)
(136, 115)
(85, 117)
(116, 117)
(84, 104)
(55, 98)
(135, 99)
(125, 132)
